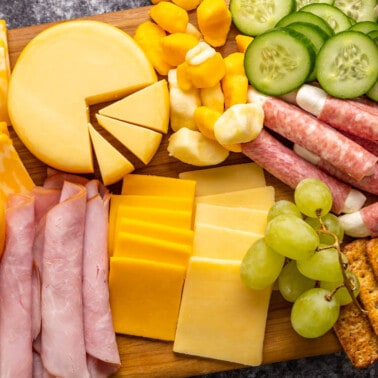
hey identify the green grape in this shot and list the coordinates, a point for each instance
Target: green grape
(313, 314)
(342, 294)
(323, 265)
(260, 266)
(313, 197)
(292, 283)
(291, 236)
(332, 224)
(283, 207)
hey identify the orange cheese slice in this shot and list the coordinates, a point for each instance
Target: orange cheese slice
(62, 71)
(4, 72)
(148, 107)
(113, 165)
(142, 142)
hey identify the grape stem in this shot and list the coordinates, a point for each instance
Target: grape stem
(347, 283)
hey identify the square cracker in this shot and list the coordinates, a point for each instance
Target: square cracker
(372, 254)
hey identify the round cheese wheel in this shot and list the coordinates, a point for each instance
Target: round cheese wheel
(62, 71)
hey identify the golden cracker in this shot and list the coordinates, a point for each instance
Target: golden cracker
(372, 254)
(359, 265)
(356, 336)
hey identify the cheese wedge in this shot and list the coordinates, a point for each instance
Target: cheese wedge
(142, 142)
(237, 218)
(220, 317)
(113, 165)
(222, 242)
(62, 71)
(148, 107)
(145, 297)
(261, 198)
(227, 178)
(4, 72)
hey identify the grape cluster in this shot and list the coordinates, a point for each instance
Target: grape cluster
(300, 252)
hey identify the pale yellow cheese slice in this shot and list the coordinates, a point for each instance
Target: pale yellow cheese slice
(113, 165)
(238, 218)
(62, 71)
(148, 107)
(142, 142)
(261, 198)
(219, 317)
(222, 242)
(227, 178)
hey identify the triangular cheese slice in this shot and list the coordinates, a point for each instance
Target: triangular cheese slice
(147, 107)
(140, 141)
(113, 165)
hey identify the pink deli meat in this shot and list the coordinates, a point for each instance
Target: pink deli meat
(304, 129)
(100, 340)
(16, 358)
(288, 167)
(62, 337)
(369, 215)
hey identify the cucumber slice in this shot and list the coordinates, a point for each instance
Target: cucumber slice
(346, 65)
(357, 9)
(278, 61)
(316, 35)
(374, 36)
(336, 18)
(373, 92)
(308, 18)
(253, 17)
(302, 3)
(364, 26)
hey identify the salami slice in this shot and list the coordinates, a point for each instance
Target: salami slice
(287, 166)
(307, 131)
(369, 215)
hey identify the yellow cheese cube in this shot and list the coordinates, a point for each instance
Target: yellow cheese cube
(220, 317)
(145, 297)
(237, 218)
(153, 249)
(227, 178)
(261, 198)
(221, 242)
(158, 186)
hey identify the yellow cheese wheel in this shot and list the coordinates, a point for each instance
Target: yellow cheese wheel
(62, 71)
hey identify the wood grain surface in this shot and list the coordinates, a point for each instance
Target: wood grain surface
(151, 358)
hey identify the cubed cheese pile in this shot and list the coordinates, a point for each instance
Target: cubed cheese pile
(150, 240)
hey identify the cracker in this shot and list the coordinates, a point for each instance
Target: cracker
(359, 265)
(356, 336)
(372, 254)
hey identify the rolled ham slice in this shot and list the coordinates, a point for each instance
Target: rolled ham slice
(100, 340)
(16, 359)
(354, 117)
(62, 337)
(287, 166)
(309, 132)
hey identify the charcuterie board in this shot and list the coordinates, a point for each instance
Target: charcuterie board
(152, 358)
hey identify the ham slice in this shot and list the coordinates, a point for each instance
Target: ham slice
(16, 359)
(100, 340)
(63, 347)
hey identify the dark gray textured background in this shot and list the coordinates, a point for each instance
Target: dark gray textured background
(20, 13)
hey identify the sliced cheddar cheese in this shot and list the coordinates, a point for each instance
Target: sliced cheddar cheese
(145, 297)
(4, 72)
(222, 242)
(63, 70)
(237, 218)
(227, 178)
(113, 165)
(142, 142)
(219, 317)
(148, 107)
(261, 198)
(127, 244)
(158, 185)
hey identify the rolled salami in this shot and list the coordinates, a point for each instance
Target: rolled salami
(287, 166)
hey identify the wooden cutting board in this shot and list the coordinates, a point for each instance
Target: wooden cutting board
(151, 358)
